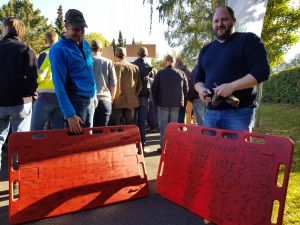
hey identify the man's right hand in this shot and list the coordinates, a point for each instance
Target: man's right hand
(204, 95)
(74, 124)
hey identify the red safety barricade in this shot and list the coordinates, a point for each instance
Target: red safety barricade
(226, 177)
(53, 173)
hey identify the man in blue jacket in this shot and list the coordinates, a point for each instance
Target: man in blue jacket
(231, 66)
(72, 70)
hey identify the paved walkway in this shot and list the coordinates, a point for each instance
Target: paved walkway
(152, 210)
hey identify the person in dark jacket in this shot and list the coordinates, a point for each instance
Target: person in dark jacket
(143, 109)
(18, 80)
(169, 87)
(193, 97)
(182, 110)
(230, 66)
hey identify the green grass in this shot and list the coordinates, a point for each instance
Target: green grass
(284, 120)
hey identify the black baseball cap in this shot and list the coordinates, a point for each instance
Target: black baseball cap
(75, 18)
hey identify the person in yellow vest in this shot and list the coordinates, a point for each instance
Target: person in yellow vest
(46, 107)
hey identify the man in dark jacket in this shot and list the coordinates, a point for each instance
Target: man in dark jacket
(169, 88)
(231, 66)
(182, 110)
(18, 83)
(143, 108)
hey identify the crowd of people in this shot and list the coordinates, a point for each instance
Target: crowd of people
(72, 85)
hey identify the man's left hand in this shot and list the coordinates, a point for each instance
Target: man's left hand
(224, 90)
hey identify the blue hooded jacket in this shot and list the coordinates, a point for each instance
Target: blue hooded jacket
(72, 71)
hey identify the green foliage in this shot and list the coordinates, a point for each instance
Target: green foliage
(59, 21)
(283, 87)
(121, 41)
(293, 62)
(280, 30)
(284, 120)
(157, 64)
(94, 35)
(36, 25)
(189, 24)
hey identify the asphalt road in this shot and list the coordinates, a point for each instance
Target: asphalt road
(152, 210)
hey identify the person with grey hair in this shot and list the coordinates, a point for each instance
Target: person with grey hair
(18, 75)
(106, 81)
(169, 88)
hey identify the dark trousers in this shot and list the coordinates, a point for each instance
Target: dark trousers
(118, 115)
(142, 117)
(181, 115)
(102, 113)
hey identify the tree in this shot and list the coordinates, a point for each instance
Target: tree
(121, 41)
(133, 42)
(189, 24)
(36, 24)
(59, 21)
(280, 30)
(293, 62)
(94, 35)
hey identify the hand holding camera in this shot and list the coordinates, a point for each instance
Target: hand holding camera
(221, 95)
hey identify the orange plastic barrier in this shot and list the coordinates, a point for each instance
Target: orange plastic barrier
(53, 173)
(229, 178)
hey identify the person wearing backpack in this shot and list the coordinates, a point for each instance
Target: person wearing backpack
(143, 109)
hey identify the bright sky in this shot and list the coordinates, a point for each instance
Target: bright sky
(109, 16)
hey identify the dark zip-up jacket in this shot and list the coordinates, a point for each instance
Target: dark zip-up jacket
(18, 72)
(145, 70)
(169, 87)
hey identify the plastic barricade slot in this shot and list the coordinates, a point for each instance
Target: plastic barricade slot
(226, 177)
(53, 173)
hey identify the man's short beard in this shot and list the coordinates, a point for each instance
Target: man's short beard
(226, 35)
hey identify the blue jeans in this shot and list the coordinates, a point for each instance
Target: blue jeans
(166, 115)
(19, 117)
(240, 119)
(102, 113)
(42, 112)
(84, 108)
(142, 117)
(198, 109)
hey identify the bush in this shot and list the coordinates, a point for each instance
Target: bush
(283, 87)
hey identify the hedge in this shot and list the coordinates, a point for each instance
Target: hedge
(283, 87)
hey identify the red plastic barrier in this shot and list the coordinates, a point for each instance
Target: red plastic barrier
(57, 173)
(224, 180)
